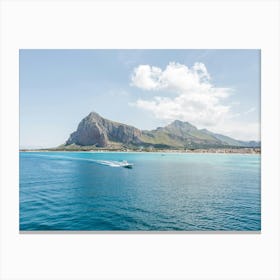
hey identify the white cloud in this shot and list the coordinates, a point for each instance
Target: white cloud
(146, 77)
(195, 99)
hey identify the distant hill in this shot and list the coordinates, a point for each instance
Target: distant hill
(97, 131)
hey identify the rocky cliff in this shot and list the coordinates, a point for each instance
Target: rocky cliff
(97, 131)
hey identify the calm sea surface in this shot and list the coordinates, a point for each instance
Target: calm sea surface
(90, 191)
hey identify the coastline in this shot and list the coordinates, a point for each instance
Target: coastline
(244, 151)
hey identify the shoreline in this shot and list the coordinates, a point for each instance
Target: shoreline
(242, 151)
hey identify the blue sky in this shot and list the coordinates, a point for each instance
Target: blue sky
(214, 89)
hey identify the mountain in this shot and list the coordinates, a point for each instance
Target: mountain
(97, 131)
(231, 141)
(94, 130)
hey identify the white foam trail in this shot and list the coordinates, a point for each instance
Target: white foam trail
(110, 163)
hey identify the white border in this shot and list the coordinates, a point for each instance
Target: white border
(154, 24)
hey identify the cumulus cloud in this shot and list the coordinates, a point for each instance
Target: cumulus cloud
(195, 98)
(146, 77)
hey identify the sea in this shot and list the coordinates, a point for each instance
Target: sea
(92, 191)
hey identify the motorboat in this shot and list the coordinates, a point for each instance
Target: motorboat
(126, 164)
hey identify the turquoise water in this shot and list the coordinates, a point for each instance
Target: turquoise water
(90, 191)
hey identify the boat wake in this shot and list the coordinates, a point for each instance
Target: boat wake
(114, 163)
(110, 163)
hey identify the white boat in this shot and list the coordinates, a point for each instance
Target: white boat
(125, 164)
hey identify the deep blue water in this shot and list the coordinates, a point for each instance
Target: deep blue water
(88, 191)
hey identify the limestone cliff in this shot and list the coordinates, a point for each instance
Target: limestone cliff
(97, 131)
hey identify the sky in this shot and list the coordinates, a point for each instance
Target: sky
(214, 89)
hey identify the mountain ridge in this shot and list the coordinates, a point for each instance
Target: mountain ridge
(94, 130)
